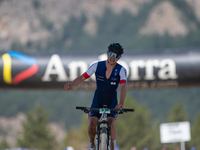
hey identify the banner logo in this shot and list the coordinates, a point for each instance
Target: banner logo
(7, 67)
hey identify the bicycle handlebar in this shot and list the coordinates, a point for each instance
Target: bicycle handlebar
(121, 110)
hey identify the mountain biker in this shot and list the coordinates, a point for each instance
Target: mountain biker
(109, 75)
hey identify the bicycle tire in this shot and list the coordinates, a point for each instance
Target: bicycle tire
(103, 137)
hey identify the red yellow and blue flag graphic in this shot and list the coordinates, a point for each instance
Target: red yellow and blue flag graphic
(7, 67)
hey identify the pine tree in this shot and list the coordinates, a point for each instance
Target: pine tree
(136, 129)
(4, 144)
(195, 136)
(177, 113)
(36, 133)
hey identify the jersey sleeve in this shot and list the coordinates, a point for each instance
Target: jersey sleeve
(123, 75)
(91, 70)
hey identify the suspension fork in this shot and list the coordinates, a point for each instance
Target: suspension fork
(108, 129)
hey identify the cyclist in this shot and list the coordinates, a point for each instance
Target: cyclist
(109, 75)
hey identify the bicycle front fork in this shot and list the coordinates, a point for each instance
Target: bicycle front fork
(106, 130)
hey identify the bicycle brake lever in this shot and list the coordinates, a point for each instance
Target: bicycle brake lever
(121, 111)
(86, 110)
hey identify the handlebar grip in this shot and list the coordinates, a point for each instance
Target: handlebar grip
(78, 107)
(129, 110)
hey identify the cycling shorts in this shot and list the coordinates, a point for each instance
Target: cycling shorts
(95, 113)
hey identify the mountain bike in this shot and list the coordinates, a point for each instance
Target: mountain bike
(103, 133)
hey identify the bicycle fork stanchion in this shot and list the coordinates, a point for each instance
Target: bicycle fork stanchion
(109, 136)
(97, 136)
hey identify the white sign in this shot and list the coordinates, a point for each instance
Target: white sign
(175, 132)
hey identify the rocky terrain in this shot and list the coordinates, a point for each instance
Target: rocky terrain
(36, 21)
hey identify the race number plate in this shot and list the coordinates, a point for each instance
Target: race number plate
(104, 110)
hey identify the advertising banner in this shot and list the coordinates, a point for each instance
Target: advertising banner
(144, 70)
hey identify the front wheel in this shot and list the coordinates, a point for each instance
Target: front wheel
(103, 139)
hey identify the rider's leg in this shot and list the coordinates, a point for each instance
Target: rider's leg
(92, 129)
(113, 132)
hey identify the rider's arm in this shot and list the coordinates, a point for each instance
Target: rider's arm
(123, 81)
(77, 81)
(81, 78)
(122, 95)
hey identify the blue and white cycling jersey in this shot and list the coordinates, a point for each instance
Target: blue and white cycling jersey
(106, 89)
